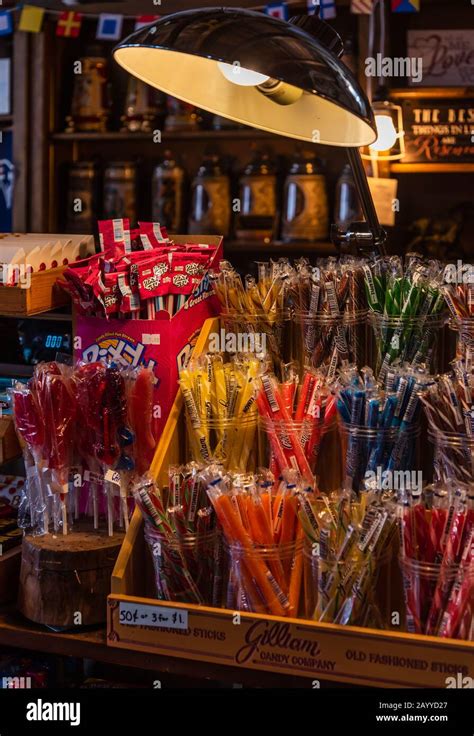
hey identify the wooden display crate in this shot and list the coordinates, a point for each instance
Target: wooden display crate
(9, 445)
(42, 295)
(360, 656)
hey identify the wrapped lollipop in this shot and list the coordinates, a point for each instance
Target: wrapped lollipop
(58, 411)
(140, 414)
(30, 429)
(88, 382)
(114, 437)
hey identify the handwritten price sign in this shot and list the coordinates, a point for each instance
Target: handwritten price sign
(131, 614)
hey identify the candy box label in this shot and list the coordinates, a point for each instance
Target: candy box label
(164, 344)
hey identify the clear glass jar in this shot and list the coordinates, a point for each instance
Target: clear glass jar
(233, 442)
(265, 580)
(188, 569)
(439, 599)
(270, 334)
(380, 458)
(293, 444)
(453, 456)
(357, 591)
(323, 339)
(413, 339)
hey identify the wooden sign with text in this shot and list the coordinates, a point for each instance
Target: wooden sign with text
(290, 646)
(438, 131)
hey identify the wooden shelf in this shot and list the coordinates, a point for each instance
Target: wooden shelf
(432, 168)
(317, 247)
(167, 135)
(15, 631)
(445, 93)
(16, 369)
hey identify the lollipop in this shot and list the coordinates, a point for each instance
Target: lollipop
(88, 379)
(30, 429)
(140, 402)
(58, 411)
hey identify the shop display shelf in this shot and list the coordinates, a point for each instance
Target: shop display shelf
(348, 654)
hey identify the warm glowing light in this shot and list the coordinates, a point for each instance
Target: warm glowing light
(243, 77)
(386, 133)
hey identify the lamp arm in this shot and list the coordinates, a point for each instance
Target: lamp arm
(367, 203)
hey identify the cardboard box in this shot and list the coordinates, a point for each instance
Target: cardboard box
(165, 343)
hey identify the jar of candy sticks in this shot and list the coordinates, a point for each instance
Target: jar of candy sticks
(412, 339)
(233, 441)
(379, 458)
(188, 568)
(265, 579)
(325, 339)
(439, 598)
(357, 590)
(453, 455)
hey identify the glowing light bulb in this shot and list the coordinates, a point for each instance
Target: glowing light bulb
(386, 133)
(239, 75)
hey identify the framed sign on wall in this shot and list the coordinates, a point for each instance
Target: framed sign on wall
(447, 57)
(437, 130)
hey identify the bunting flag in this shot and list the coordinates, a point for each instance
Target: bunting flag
(277, 10)
(406, 6)
(109, 27)
(31, 19)
(145, 20)
(362, 7)
(6, 23)
(327, 9)
(69, 24)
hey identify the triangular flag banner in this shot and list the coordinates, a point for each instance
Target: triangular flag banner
(31, 19)
(312, 6)
(145, 20)
(277, 10)
(6, 23)
(406, 6)
(109, 27)
(362, 7)
(69, 24)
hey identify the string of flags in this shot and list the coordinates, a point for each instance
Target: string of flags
(109, 25)
(69, 22)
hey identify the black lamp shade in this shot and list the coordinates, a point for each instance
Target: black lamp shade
(179, 53)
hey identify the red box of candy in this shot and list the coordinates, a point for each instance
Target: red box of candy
(143, 300)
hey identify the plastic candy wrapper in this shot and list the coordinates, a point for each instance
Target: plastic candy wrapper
(137, 273)
(448, 406)
(182, 537)
(220, 410)
(258, 517)
(437, 560)
(379, 425)
(83, 430)
(407, 308)
(295, 417)
(330, 306)
(349, 547)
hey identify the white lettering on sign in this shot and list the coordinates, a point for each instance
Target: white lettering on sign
(150, 339)
(131, 614)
